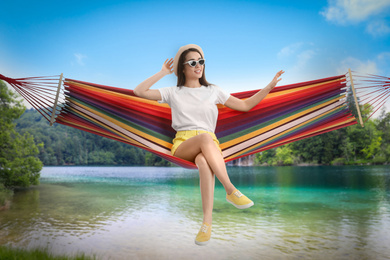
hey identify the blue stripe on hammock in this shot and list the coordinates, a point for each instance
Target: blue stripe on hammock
(252, 121)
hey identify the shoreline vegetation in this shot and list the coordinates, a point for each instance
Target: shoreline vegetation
(7, 252)
(19, 162)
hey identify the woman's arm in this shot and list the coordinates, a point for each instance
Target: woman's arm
(143, 90)
(248, 104)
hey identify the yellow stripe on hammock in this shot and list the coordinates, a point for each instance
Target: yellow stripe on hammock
(282, 133)
(128, 139)
(123, 96)
(93, 129)
(243, 138)
(128, 128)
(289, 91)
(303, 135)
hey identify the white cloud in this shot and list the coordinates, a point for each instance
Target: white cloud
(334, 14)
(341, 11)
(80, 58)
(298, 55)
(303, 59)
(365, 67)
(289, 50)
(384, 56)
(378, 28)
(373, 12)
(377, 65)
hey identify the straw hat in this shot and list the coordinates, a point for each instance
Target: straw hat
(181, 50)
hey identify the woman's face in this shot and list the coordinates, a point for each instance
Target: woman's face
(193, 72)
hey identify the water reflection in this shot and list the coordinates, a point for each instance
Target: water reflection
(353, 177)
(124, 212)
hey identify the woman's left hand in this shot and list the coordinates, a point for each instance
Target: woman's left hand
(275, 80)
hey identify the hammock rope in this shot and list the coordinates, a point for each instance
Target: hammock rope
(372, 90)
(39, 92)
(289, 113)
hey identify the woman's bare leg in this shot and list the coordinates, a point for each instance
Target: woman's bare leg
(204, 144)
(207, 184)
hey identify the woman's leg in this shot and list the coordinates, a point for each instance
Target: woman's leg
(204, 144)
(207, 184)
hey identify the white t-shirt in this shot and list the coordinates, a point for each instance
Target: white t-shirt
(194, 108)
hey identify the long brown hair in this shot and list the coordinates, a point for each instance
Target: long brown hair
(181, 78)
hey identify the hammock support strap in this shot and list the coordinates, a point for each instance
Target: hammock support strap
(52, 118)
(355, 98)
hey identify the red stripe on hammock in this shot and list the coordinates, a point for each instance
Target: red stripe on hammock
(275, 101)
(157, 111)
(173, 159)
(246, 94)
(293, 140)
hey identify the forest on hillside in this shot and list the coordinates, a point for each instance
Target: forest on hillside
(346, 146)
(64, 145)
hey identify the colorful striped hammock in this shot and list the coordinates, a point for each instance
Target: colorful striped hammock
(289, 113)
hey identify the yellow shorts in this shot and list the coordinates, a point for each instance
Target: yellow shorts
(181, 136)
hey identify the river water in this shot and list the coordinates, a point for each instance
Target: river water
(156, 212)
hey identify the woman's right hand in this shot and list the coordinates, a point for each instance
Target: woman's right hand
(167, 68)
(143, 90)
(275, 80)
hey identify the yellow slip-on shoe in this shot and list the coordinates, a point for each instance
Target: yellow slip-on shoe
(239, 200)
(204, 235)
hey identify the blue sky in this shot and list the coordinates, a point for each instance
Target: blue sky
(121, 43)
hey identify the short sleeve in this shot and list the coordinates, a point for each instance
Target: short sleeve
(222, 96)
(166, 94)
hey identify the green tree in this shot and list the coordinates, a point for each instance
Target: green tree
(153, 160)
(266, 157)
(321, 149)
(19, 165)
(284, 155)
(384, 126)
(101, 158)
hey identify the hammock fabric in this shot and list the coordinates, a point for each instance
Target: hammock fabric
(289, 113)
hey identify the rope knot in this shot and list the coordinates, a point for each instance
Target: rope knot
(9, 80)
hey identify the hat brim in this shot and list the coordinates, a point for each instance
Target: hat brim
(181, 50)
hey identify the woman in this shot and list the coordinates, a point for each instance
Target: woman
(194, 116)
